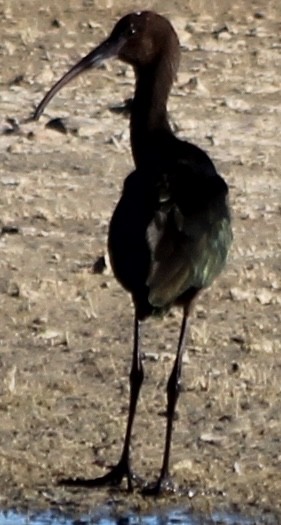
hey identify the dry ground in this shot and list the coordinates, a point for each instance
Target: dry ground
(66, 333)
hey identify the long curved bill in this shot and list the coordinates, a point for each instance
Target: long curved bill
(107, 49)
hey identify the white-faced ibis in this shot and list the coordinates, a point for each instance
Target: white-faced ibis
(170, 232)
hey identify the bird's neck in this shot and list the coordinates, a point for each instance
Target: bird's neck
(149, 117)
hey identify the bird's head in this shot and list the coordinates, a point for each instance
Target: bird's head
(139, 39)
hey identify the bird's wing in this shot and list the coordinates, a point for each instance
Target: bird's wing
(189, 236)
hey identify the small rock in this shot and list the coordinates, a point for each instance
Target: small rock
(9, 229)
(237, 104)
(46, 76)
(17, 80)
(264, 296)
(150, 356)
(212, 438)
(259, 15)
(9, 47)
(9, 181)
(234, 367)
(236, 294)
(13, 289)
(99, 265)
(185, 464)
(219, 31)
(237, 468)
(10, 288)
(239, 339)
(10, 380)
(58, 124)
(56, 23)
(105, 284)
(55, 336)
(122, 109)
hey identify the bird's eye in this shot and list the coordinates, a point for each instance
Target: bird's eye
(131, 30)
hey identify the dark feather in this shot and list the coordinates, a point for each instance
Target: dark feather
(175, 231)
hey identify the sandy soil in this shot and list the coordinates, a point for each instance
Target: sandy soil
(66, 332)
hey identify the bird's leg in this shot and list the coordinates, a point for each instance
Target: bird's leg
(122, 469)
(136, 378)
(164, 483)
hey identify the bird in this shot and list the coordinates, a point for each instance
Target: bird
(170, 232)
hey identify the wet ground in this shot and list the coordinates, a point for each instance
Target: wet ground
(66, 332)
(106, 517)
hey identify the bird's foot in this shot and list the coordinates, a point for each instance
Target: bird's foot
(161, 487)
(113, 478)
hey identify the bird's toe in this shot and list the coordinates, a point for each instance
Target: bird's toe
(161, 487)
(113, 478)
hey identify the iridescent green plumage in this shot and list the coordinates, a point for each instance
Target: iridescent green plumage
(189, 236)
